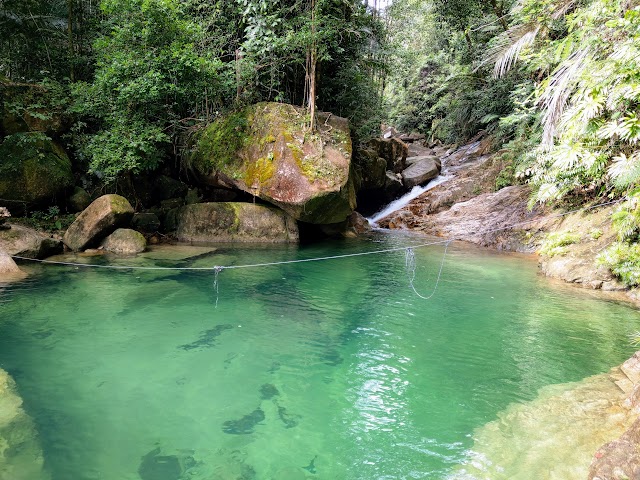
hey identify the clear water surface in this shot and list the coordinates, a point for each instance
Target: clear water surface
(327, 370)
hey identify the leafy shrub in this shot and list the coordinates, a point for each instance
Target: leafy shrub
(556, 243)
(51, 220)
(623, 259)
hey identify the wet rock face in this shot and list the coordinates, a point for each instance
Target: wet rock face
(98, 220)
(234, 222)
(267, 151)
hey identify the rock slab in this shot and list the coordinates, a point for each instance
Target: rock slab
(234, 222)
(268, 151)
(26, 242)
(421, 171)
(98, 220)
(125, 241)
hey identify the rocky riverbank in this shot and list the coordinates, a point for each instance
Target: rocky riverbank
(468, 208)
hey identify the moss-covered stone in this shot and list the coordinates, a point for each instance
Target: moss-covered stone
(33, 169)
(125, 241)
(233, 222)
(268, 151)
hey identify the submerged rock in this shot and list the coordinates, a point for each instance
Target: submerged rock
(21, 455)
(207, 338)
(234, 222)
(27, 242)
(125, 241)
(267, 151)
(244, 425)
(268, 391)
(97, 221)
(552, 437)
(155, 466)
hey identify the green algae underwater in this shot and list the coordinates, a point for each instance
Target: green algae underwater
(320, 370)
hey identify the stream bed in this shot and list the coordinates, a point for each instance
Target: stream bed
(319, 370)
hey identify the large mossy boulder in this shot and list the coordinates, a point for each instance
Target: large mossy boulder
(267, 150)
(125, 241)
(98, 220)
(33, 170)
(27, 242)
(234, 222)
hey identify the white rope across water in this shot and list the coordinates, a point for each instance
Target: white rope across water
(410, 262)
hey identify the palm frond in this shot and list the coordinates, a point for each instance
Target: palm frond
(558, 90)
(508, 47)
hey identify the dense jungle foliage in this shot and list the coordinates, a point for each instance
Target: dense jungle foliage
(556, 83)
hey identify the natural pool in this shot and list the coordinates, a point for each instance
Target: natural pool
(324, 370)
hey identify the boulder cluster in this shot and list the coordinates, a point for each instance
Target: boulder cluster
(395, 163)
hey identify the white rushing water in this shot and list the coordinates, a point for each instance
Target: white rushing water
(407, 198)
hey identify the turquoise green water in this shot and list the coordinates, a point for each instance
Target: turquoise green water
(328, 370)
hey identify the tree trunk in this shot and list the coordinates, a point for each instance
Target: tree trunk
(500, 14)
(312, 61)
(70, 19)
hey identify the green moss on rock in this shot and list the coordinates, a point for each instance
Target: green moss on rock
(33, 168)
(268, 150)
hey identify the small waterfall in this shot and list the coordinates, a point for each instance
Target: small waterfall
(405, 199)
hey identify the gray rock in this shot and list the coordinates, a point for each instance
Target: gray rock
(26, 242)
(4, 216)
(125, 241)
(234, 222)
(392, 185)
(97, 221)
(79, 200)
(631, 368)
(146, 222)
(420, 158)
(8, 268)
(421, 172)
(393, 150)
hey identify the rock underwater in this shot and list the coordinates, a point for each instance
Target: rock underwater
(21, 455)
(268, 151)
